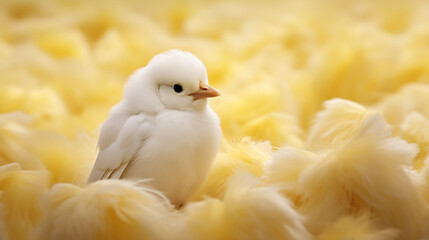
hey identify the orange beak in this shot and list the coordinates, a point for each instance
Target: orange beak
(205, 92)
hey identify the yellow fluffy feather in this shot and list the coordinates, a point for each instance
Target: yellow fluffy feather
(248, 211)
(362, 168)
(104, 210)
(324, 114)
(354, 228)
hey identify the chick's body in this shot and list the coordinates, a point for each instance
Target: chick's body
(163, 129)
(177, 164)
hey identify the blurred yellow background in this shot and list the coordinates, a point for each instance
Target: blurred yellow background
(63, 65)
(66, 61)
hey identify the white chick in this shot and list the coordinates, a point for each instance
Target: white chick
(163, 129)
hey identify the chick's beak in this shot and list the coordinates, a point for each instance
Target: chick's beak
(205, 92)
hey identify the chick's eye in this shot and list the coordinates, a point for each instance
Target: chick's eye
(178, 88)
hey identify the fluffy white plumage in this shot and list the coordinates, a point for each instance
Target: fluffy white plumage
(163, 129)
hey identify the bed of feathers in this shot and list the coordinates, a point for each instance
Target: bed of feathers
(325, 116)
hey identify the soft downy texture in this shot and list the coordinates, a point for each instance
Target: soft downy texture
(23, 179)
(109, 209)
(355, 228)
(356, 168)
(260, 111)
(336, 124)
(363, 169)
(422, 182)
(235, 156)
(62, 159)
(16, 141)
(21, 192)
(415, 129)
(410, 118)
(248, 211)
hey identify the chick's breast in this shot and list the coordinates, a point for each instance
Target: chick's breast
(178, 154)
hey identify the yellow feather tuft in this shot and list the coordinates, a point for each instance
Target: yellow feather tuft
(363, 168)
(341, 87)
(110, 209)
(236, 156)
(356, 228)
(248, 211)
(21, 192)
